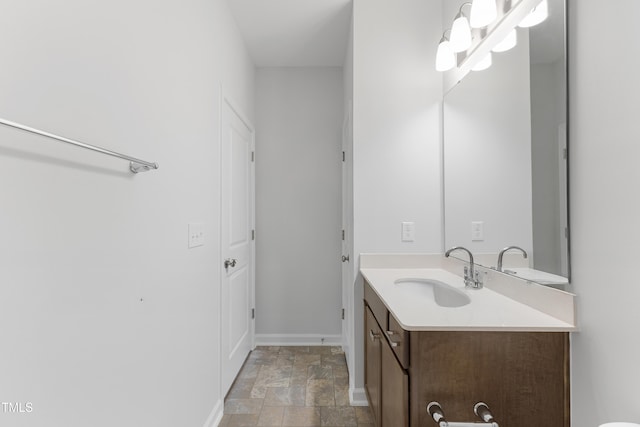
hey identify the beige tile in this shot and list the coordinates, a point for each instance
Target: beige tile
(242, 420)
(241, 389)
(307, 359)
(317, 372)
(295, 350)
(293, 386)
(340, 372)
(242, 406)
(285, 396)
(301, 416)
(285, 360)
(271, 416)
(258, 392)
(249, 371)
(274, 376)
(323, 349)
(299, 376)
(320, 393)
(342, 395)
(337, 350)
(334, 360)
(342, 416)
(363, 415)
(343, 381)
(262, 356)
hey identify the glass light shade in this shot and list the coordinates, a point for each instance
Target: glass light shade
(483, 13)
(445, 57)
(536, 16)
(460, 34)
(509, 42)
(484, 63)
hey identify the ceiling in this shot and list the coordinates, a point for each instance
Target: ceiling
(294, 33)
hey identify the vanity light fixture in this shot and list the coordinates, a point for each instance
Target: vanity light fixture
(484, 63)
(445, 57)
(536, 16)
(460, 38)
(500, 37)
(483, 13)
(509, 42)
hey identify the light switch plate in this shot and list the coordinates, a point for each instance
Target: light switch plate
(196, 234)
(408, 231)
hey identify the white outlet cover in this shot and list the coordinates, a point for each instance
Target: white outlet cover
(408, 231)
(477, 231)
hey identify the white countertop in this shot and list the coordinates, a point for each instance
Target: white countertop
(488, 310)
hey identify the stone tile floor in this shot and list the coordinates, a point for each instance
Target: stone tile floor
(293, 386)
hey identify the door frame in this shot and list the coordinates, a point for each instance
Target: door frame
(226, 100)
(347, 228)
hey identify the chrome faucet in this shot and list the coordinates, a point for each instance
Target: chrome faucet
(472, 278)
(501, 254)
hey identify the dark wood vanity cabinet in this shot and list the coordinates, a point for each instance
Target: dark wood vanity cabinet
(386, 382)
(373, 364)
(522, 376)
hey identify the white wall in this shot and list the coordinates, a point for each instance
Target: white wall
(106, 317)
(396, 141)
(604, 135)
(487, 155)
(298, 200)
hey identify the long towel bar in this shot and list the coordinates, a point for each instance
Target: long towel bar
(135, 165)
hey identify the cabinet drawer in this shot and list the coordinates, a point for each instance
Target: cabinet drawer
(376, 305)
(399, 341)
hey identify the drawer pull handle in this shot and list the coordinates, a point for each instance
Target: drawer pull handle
(391, 341)
(373, 336)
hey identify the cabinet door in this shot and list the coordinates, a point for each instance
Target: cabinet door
(372, 373)
(395, 390)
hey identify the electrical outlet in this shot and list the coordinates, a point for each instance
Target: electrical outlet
(477, 231)
(196, 234)
(408, 231)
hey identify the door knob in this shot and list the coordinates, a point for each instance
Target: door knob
(345, 258)
(230, 263)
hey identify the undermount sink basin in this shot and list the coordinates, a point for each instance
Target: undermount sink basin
(444, 295)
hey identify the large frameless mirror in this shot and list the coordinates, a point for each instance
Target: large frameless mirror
(505, 157)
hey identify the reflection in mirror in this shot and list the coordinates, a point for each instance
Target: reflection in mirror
(505, 165)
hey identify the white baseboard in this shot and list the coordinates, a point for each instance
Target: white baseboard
(216, 415)
(358, 397)
(295, 339)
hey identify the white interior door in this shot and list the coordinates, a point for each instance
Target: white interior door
(237, 247)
